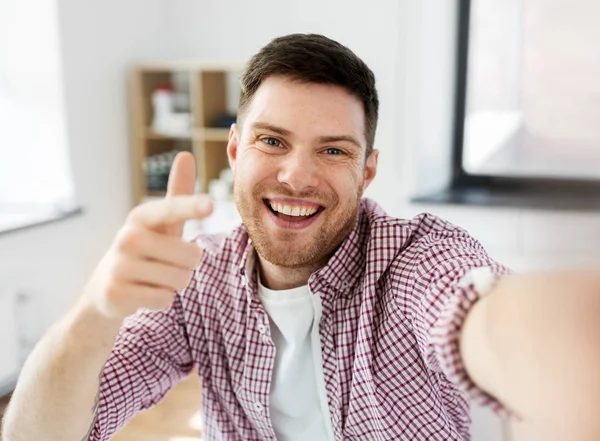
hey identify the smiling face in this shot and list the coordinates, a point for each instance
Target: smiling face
(300, 169)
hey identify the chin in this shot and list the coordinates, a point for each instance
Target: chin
(289, 254)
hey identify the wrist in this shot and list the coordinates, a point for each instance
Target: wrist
(84, 325)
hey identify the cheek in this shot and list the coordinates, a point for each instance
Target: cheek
(252, 170)
(347, 186)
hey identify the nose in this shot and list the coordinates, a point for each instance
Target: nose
(299, 170)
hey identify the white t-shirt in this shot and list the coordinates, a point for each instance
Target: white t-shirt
(297, 400)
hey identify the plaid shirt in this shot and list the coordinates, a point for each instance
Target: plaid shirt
(394, 297)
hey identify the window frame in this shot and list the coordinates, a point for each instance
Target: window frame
(522, 191)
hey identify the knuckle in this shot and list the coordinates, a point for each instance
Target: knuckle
(112, 292)
(134, 214)
(119, 266)
(130, 240)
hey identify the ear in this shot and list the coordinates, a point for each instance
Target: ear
(370, 168)
(232, 146)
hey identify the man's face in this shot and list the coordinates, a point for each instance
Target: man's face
(299, 169)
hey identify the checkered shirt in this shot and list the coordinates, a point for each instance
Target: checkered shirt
(394, 297)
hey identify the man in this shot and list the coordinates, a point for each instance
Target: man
(321, 318)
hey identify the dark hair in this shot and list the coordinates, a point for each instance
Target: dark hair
(313, 58)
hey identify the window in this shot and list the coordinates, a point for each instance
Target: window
(35, 178)
(533, 89)
(527, 114)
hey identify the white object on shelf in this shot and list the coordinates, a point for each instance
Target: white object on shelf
(219, 190)
(226, 175)
(222, 189)
(166, 120)
(162, 103)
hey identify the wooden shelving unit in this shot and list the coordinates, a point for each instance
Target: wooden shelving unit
(210, 96)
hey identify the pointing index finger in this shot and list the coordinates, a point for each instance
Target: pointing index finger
(182, 178)
(172, 210)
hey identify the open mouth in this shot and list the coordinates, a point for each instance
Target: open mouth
(293, 215)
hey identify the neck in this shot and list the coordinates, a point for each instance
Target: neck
(278, 277)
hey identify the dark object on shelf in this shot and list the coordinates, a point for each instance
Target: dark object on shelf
(157, 168)
(225, 120)
(157, 182)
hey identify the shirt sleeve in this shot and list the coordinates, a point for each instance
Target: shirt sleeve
(151, 354)
(452, 271)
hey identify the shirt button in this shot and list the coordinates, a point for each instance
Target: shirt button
(262, 328)
(258, 407)
(266, 339)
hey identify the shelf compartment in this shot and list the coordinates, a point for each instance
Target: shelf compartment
(150, 134)
(215, 160)
(212, 134)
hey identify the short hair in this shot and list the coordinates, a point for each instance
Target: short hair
(313, 58)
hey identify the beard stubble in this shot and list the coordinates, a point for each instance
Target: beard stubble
(285, 250)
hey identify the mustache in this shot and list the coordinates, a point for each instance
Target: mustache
(285, 191)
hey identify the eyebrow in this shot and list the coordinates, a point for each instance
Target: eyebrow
(271, 128)
(323, 139)
(350, 139)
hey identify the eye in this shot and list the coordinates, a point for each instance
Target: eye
(272, 142)
(332, 151)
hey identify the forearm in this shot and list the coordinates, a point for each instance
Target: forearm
(57, 391)
(144, 267)
(534, 343)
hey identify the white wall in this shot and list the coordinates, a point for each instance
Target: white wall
(98, 41)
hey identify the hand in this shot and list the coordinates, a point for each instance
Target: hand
(148, 261)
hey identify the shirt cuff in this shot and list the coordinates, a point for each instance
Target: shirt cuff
(445, 336)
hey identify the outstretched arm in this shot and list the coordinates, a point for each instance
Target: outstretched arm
(534, 344)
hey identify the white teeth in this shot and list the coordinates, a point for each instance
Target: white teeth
(293, 210)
